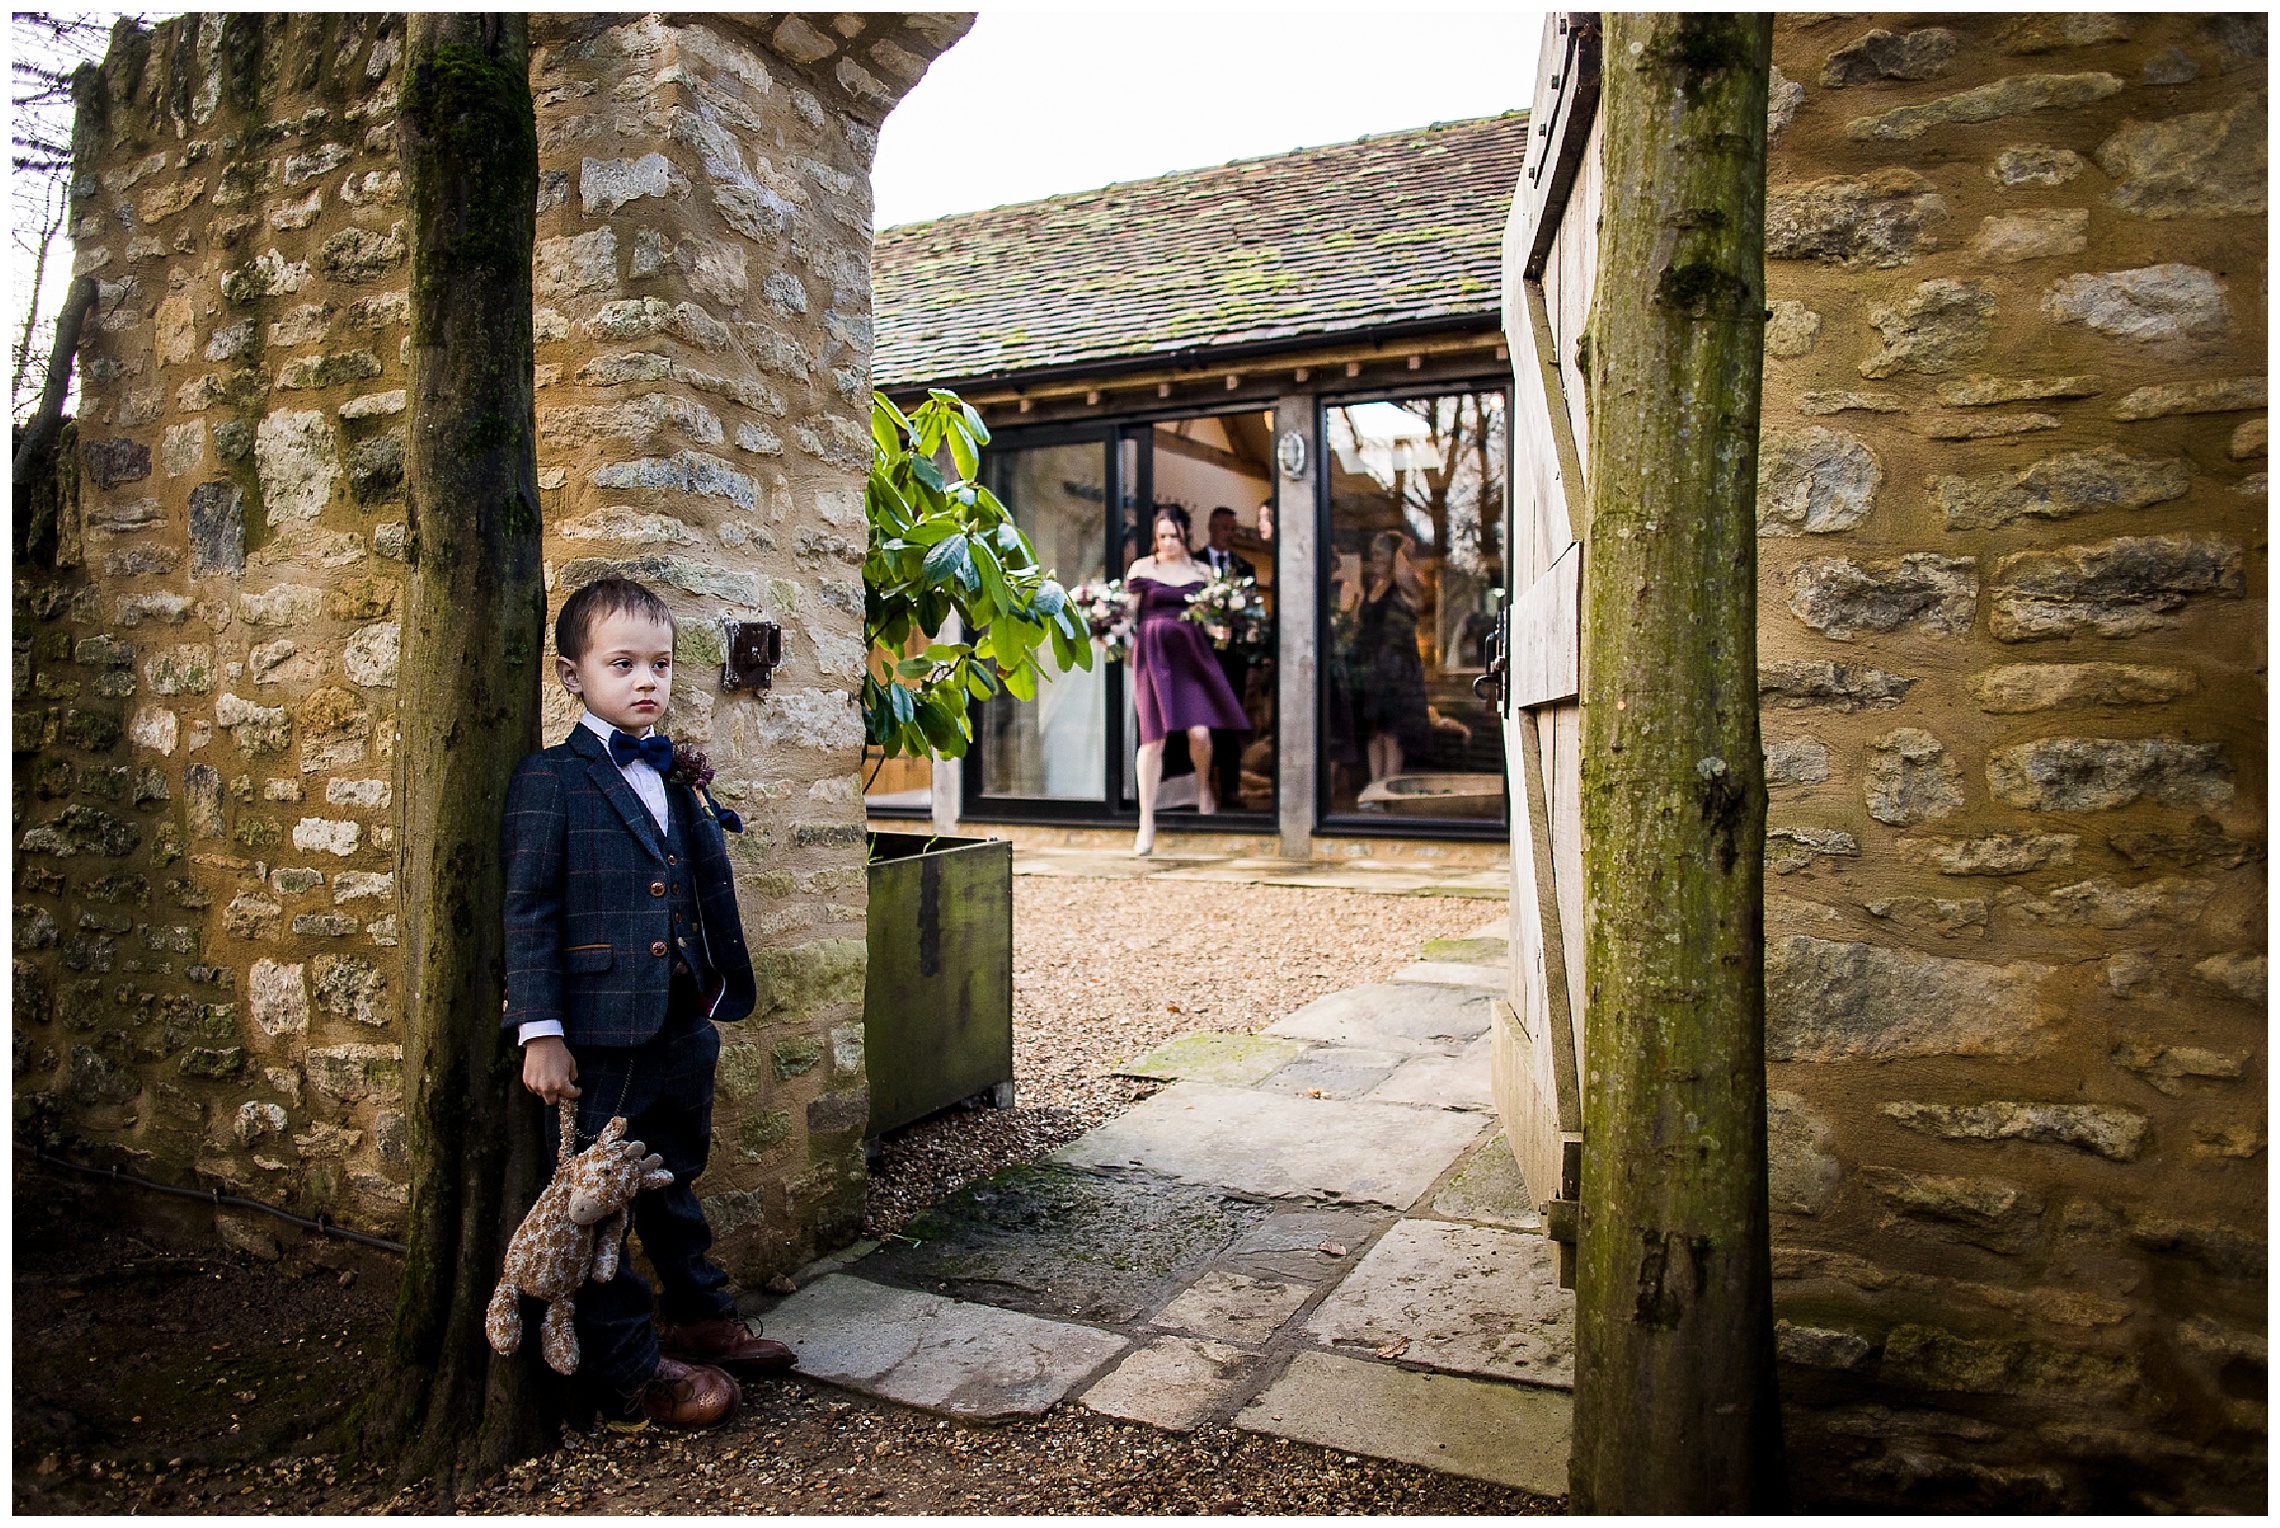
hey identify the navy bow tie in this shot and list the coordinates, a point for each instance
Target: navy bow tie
(656, 750)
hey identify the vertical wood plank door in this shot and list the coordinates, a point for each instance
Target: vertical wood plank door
(1551, 252)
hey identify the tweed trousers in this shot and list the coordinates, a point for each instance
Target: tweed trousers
(664, 1088)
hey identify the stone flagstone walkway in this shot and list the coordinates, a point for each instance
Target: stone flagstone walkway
(1316, 1232)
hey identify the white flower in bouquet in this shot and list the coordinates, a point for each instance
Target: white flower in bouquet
(1107, 610)
(1230, 611)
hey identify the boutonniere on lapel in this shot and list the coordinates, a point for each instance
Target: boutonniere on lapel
(690, 769)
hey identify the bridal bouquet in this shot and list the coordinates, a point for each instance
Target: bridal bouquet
(1231, 613)
(1107, 610)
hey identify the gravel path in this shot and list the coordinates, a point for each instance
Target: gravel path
(1106, 971)
(800, 1448)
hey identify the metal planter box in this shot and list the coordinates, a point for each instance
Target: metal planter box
(938, 995)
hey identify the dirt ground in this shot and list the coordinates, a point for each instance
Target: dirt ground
(159, 1372)
(148, 1369)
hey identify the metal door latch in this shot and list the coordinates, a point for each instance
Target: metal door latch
(1495, 648)
(752, 650)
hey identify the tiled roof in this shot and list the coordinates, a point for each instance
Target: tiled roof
(1331, 241)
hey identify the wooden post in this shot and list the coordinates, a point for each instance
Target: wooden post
(1297, 588)
(1675, 1402)
(474, 612)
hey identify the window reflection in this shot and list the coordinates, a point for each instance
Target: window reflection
(1057, 746)
(1416, 556)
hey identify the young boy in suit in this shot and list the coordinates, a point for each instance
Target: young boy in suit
(623, 948)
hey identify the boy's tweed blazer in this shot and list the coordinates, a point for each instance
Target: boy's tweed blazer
(588, 922)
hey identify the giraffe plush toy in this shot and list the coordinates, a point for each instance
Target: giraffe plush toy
(573, 1232)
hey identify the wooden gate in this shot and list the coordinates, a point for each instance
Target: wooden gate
(1551, 251)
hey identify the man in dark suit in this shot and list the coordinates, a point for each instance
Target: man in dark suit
(624, 945)
(1227, 746)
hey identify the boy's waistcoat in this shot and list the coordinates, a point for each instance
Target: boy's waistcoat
(590, 937)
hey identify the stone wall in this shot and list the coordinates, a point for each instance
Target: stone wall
(207, 986)
(2013, 595)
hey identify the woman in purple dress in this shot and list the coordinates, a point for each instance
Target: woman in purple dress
(1176, 682)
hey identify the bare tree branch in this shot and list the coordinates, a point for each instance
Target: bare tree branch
(48, 49)
(24, 357)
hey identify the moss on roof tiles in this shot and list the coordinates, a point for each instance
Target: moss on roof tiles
(1333, 240)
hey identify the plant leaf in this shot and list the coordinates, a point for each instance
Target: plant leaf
(889, 426)
(950, 559)
(962, 450)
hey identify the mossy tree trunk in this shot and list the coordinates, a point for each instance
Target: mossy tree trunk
(467, 711)
(1675, 1402)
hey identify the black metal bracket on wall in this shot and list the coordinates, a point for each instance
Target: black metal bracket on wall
(751, 651)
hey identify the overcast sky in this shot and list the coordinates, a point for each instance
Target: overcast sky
(1031, 104)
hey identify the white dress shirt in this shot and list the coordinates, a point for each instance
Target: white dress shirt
(639, 773)
(649, 785)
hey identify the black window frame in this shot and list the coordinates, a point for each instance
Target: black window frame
(1108, 810)
(975, 804)
(1328, 824)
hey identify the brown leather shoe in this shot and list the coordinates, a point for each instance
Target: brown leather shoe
(726, 1343)
(685, 1395)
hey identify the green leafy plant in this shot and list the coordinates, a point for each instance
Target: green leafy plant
(941, 545)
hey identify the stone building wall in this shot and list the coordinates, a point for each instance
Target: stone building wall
(2012, 610)
(207, 985)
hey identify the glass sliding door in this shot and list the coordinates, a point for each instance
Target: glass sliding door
(1413, 568)
(1055, 748)
(1218, 469)
(1089, 506)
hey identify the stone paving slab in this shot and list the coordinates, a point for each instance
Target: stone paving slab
(1339, 880)
(1416, 1018)
(1487, 1186)
(1235, 1061)
(1479, 949)
(1474, 1299)
(1173, 1382)
(1395, 878)
(1287, 1246)
(1263, 1143)
(1227, 874)
(1090, 867)
(1441, 1082)
(1514, 1435)
(1233, 1307)
(1058, 1241)
(936, 1354)
(1333, 1071)
(1452, 973)
(1488, 883)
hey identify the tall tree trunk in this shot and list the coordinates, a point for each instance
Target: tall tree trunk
(1675, 1402)
(468, 710)
(33, 464)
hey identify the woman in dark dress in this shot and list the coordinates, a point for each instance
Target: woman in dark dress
(1393, 707)
(1176, 682)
